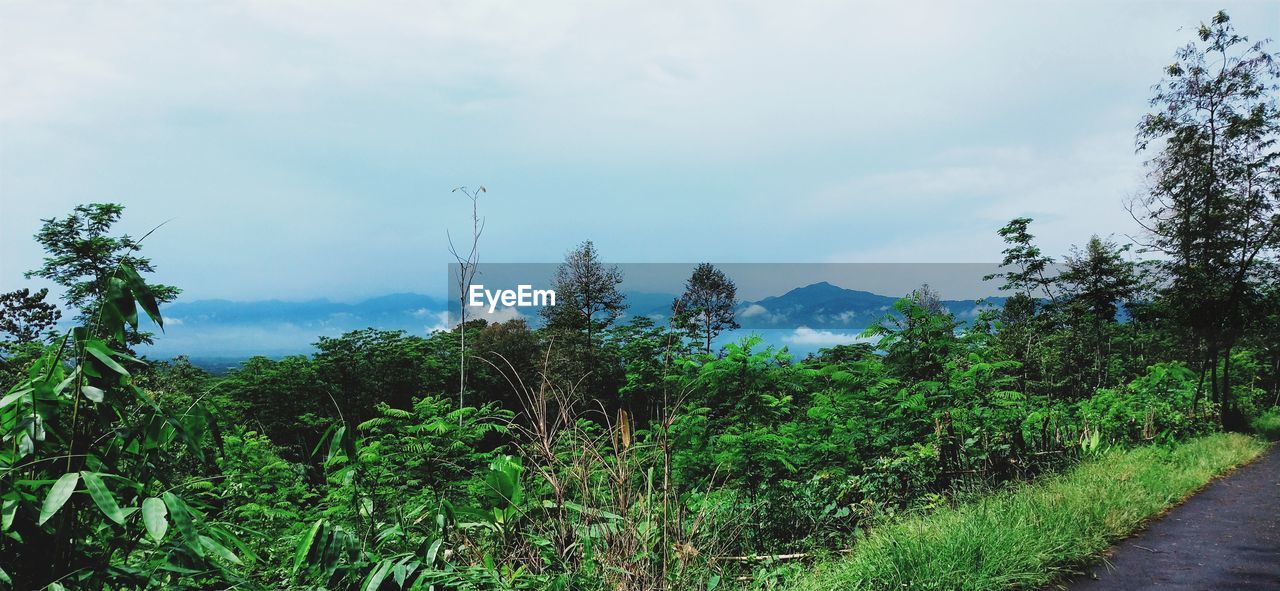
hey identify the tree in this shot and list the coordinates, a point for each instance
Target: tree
(25, 316)
(1027, 272)
(1026, 269)
(1213, 207)
(369, 367)
(466, 273)
(81, 423)
(511, 354)
(919, 338)
(1098, 277)
(587, 298)
(706, 307)
(1094, 281)
(84, 258)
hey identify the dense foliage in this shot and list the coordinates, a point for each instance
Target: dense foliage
(609, 452)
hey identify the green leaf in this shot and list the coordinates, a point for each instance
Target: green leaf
(222, 551)
(182, 520)
(377, 576)
(92, 393)
(153, 516)
(335, 444)
(121, 298)
(10, 507)
(102, 497)
(304, 545)
(58, 496)
(143, 293)
(14, 397)
(99, 349)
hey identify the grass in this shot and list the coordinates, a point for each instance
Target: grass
(1268, 424)
(1030, 536)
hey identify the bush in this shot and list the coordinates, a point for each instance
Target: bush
(1152, 407)
(1267, 424)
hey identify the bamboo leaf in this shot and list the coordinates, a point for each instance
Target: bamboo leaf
(9, 508)
(121, 298)
(14, 397)
(221, 551)
(99, 350)
(102, 497)
(377, 576)
(58, 496)
(143, 293)
(182, 520)
(304, 545)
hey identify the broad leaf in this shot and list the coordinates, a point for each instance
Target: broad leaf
(92, 393)
(58, 496)
(154, 517)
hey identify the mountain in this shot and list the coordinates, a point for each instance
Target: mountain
(228, 329)
(225, 330)
(653, 305)
(823, 305)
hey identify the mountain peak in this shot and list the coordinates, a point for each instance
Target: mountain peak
(821, 287)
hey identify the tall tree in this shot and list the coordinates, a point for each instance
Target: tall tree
(1097, 277)
(1095, 280)
(587, 299)
(1028, 273)
(83, 257)
(1212, 207)
(705, 309)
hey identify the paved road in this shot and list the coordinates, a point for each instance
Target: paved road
(1225, 538)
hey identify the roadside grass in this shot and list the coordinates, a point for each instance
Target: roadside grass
(1029, 536)
(1268, 424)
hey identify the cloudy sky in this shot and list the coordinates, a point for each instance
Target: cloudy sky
(307, 149)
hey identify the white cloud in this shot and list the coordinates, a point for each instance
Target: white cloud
(732, 115)
(442, 323)
(502, 315)
(823, 338)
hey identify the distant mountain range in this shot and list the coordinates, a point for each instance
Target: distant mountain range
(228, 330)
(823, 305)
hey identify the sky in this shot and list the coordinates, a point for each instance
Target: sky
(308, 149)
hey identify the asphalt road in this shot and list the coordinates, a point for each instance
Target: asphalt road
(1227, 537)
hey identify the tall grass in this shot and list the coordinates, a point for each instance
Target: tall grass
(1268, 424)
(1027, 537)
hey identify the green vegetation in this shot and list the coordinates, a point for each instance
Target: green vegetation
(1026, 537)
(1268, 424)
(602, 451)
